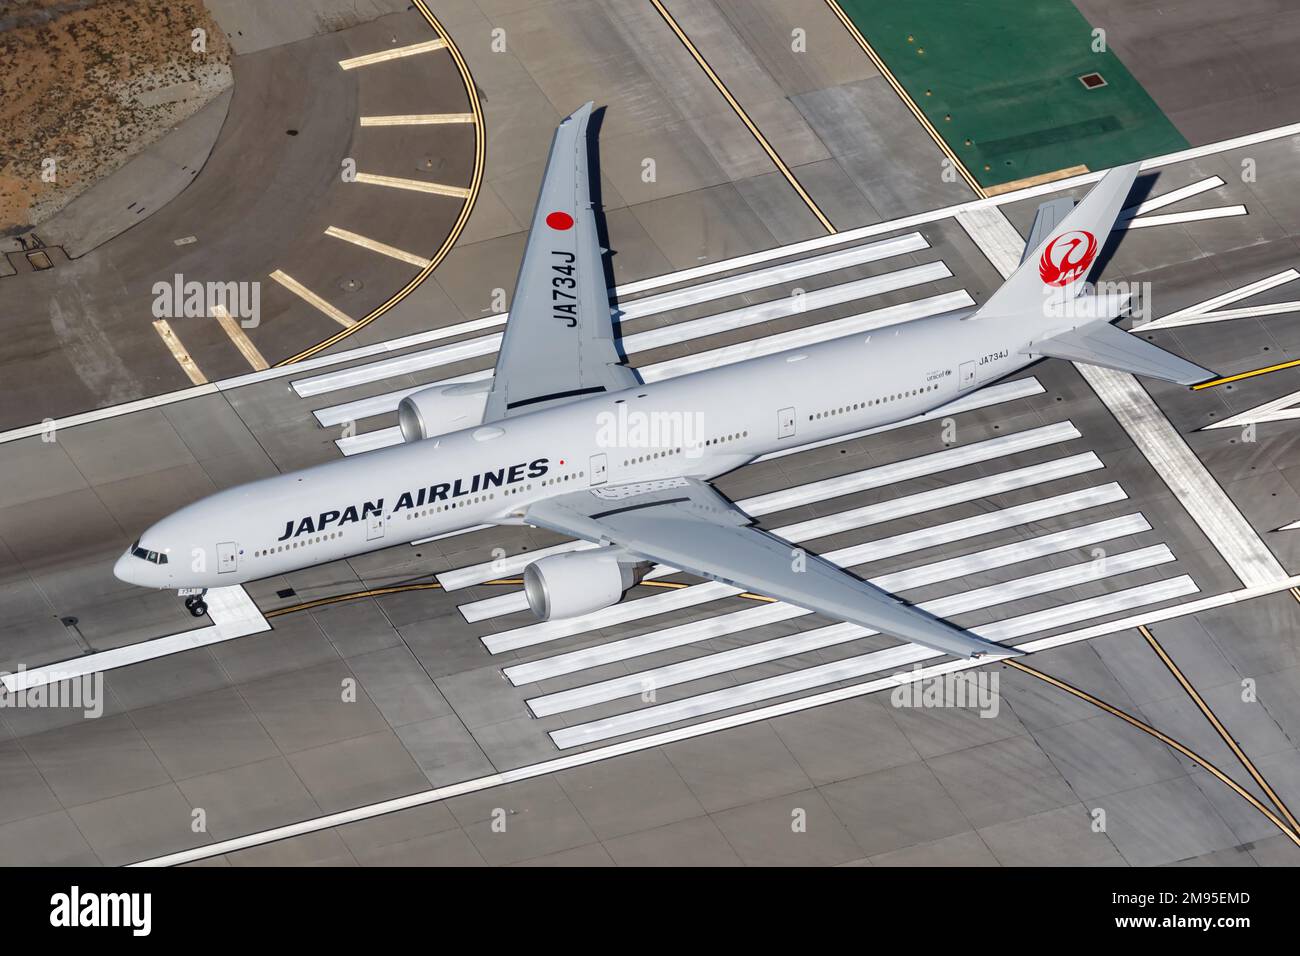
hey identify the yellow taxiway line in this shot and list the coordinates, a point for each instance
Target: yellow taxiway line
(312, 299)
(375, 246)
(1241, 375)
(428, 46)
(179, 352)
(418, 119)
(744, 117)
(415, 185)
(907, 100)
(1222, 731)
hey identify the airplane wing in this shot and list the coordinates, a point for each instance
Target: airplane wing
(559, 341)
(687, 524)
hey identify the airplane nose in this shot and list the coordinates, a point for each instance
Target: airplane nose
(123, 568)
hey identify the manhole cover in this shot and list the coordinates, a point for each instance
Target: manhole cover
(350, 285)
(1092, 80)
(40, 260)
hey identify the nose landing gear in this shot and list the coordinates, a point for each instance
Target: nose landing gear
(195, 604)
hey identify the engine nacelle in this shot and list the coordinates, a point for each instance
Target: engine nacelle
(577, 582)
(442, 409)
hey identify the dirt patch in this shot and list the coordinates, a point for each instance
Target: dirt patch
(87, 84)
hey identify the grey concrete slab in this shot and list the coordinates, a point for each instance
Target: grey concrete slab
(50, 839)
(961, 849)
(696, 842)
(94, 759)
(251, 797)
(445, 750)
(204, 733)
(358, 771)
(1149, 824)
(895, 808)
(309, 708)
(642, 792)
(1061, 837)
(137, 826)
(797, 829)
(1001, 781)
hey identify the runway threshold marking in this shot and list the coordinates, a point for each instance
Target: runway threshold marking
(418, 119)
(476, 183)
(1222, 731)
(744, 117)
(382, 56)
(756, 715)
(907, 99)
(1164, 738)
(236, 334)
(375, 246)
(312, 299)
(179, 352)
(414, 185)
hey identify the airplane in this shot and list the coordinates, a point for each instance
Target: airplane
(563, 436)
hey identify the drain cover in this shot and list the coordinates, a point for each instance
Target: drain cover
(1092, 80)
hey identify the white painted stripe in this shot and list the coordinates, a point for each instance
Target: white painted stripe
(876, 476)
(653, 305)
(1279, 409)
(654, 282)
(1201, 310)
(231, 610)
(546, 631)
(798, 681)
(693, 632)
(1224, 315)
(716, 725)
(632, 344)
(764, 652)
(730, 354)
(1155, 436)
(829, 488)
(1174, 218)
(312, 299)
(1171, 197)
(428, 46)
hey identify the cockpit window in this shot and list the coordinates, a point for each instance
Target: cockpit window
(153, 557)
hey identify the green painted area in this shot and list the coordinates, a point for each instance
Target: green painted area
(999, 79)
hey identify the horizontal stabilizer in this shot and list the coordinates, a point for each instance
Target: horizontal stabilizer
(1111, 347)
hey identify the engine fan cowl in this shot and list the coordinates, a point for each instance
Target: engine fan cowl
(442, 409)
(576, 582)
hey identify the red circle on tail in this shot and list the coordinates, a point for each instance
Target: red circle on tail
(559, 220)
(1067, 257)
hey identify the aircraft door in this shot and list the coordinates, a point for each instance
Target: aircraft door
(785, 423)
(374, 526)
(599, 469)
(966, 375)
(227, 557)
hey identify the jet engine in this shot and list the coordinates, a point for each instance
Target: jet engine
(442, 409)
(578, 582)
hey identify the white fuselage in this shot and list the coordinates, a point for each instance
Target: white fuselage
(698, 425)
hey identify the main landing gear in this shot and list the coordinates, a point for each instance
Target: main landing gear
(195, 604)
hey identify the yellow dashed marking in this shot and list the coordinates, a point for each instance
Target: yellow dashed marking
(173, 343)
(235, 331)
(379, 247)
(311, 298)
(415, 185)
(418, 119)
(428, 46)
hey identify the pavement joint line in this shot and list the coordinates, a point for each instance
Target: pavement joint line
(739, 110)
(179, 352)
(312, 299)
(240, 338)
(304, 359)
(609, 751)
(413, 185)
(1209, 506)
(1164, 738)
(1218, 726)
(375, 246)
(396, 53)
(879, 63)
(418, 119)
